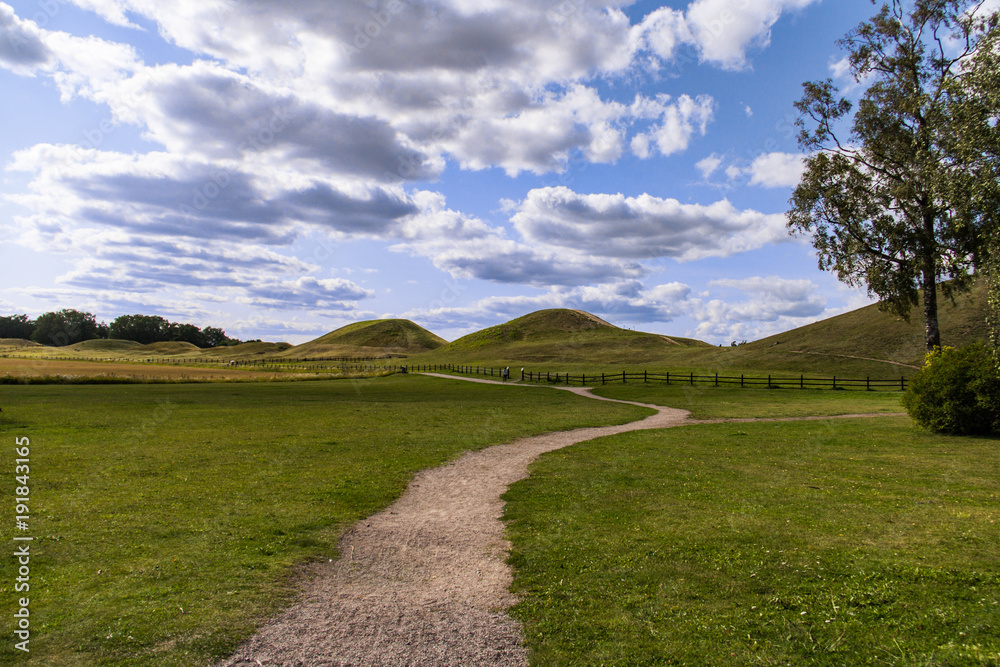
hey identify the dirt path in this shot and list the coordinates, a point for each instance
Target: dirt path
(424, 582)
(851, 356)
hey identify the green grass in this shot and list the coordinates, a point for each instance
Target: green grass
(706, 402)
(370, 338)
(857, 542)
(169, 519)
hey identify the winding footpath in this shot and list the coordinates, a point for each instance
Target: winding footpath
(425, 582)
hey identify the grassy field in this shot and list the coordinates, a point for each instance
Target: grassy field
(846, 542)
(168, 519)
(706, 402)
(95, 371)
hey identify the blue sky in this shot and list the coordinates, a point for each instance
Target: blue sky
(283, 169)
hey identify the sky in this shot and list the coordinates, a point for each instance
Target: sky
(281, 169)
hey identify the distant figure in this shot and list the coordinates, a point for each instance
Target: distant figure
(505, 373)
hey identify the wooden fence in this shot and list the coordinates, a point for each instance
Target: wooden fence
(582, 379)
(685, 378)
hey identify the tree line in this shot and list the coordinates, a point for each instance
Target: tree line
(69, 326)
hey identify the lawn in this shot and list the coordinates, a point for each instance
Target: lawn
(834, 542)
(707, 402)
(169, 519)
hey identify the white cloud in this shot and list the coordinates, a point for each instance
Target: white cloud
(777, 170)
(724, 30)
(663, 31)
(680, 121)
(708, 165)
(642, 227)
(317, 118)
(22, 47)
(770, 305)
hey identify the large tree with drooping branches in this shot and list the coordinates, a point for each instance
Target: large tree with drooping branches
(890, 195)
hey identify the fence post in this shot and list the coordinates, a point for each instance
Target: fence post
(645, 376)
(741, 380)
(802, 382)
(834, 381)
(692, 378)
(902, 383)
(602, 377)
(716, 379)
(668, 377)
(583, 379)
(623, 377)
(868, 384)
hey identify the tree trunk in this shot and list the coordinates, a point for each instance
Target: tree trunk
(932, 333)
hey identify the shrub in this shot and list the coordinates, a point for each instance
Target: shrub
(956, 392)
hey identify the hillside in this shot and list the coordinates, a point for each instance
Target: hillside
(863, 342)
(896, 345)
(559, 335)
(372, 338)
(106, 345)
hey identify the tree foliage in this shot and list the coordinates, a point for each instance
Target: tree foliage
(893, 202)
(65, 327)
(16, 326)
(148, 329)
(975, 112)
(957, 392)
(69, 326)
(143, 329)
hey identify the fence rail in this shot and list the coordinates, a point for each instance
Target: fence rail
(581, 379)
(687, 378)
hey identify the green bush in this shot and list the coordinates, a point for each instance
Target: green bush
(956, 392)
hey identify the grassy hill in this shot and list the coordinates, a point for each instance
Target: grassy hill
(247, 350)
(105, 345)
(559, 335)
(868, 339)
(372, 338)
(863, 342)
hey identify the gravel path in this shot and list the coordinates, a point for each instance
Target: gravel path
(424, 582)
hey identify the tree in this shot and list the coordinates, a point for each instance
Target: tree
(187, 333)
(16, 326)
(975, 112)
(214, 336)
(143, 329)
(65, 327)
(888, 203)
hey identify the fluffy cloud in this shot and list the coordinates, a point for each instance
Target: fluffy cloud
(316, 118)
(721, 31)
(642, 227)
(467, 247)
(769, 305)
(724, 30)
(22, 49)
(777, 170)
(708, 165)
(680, 122)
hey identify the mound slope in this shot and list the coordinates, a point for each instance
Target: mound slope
(370, 338)
(869, 333)
(105, 345)
(561, 334)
